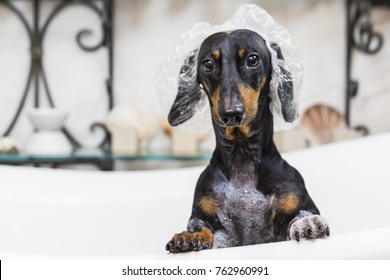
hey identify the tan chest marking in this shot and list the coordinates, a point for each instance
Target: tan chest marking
(208, 205)
(288, 203)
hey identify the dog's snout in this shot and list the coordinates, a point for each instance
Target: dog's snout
(233, 117)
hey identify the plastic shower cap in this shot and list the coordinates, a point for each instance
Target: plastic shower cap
(250, 17)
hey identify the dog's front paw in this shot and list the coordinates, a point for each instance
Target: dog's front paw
(187, 241)
(309, 227)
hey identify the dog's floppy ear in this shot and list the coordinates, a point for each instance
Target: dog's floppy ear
(285, 89)
(189, 95)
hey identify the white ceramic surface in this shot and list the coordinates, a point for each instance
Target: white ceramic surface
(48, 143)
(47, 118)
(131, 215)
(48, 140)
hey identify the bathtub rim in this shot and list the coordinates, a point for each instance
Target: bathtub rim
(368, 244)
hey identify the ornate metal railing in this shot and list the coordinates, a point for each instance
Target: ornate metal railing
(36, 34)
(362, 37)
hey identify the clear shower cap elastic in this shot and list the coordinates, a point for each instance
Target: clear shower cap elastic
(250, 17)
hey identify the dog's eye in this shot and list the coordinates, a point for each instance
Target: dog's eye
(208, 65)
(252, 60)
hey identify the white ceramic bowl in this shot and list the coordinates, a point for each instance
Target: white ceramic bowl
(48, 143)
(47, 118)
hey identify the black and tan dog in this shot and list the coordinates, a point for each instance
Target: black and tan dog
(248, 194)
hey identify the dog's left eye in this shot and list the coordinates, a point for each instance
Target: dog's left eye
(252, 60)
(208, 65)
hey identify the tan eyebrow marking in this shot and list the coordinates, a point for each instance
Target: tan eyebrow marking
(241, 53)
(216, 54)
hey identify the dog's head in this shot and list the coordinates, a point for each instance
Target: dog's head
(232, 68)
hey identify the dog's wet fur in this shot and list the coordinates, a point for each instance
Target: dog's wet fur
(248, 194)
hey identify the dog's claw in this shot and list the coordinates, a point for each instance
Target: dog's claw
(309, 233)
(171, 247)
(309, 227)
(296, 236)
(196, 244)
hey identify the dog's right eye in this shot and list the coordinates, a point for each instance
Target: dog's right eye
(252, 60)
(207, 65)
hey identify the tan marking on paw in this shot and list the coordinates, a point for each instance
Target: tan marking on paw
(191, 241)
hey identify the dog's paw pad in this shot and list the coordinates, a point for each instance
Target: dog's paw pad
(186, 241)
(309, 227)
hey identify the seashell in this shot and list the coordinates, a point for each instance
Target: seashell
(8, 145)
(321, 121)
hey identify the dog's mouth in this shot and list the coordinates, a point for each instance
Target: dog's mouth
(235, 121)
(232, 122)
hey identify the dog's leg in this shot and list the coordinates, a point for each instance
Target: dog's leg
(309, 226)
(191, 241)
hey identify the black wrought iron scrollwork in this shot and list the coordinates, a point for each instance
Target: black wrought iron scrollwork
(106, 143)
(36, 34)
(84, 33)
(29, 32)
(364, 38)
(101, 13)
(361, 37)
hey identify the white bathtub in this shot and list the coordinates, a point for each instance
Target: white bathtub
(48, 213)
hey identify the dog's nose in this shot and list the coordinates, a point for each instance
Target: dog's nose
(233, 117)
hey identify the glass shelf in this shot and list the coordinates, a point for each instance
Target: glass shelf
(102, 158)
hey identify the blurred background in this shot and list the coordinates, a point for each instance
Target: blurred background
(145, 33)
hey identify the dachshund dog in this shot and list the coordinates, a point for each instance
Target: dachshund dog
(247, 194)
